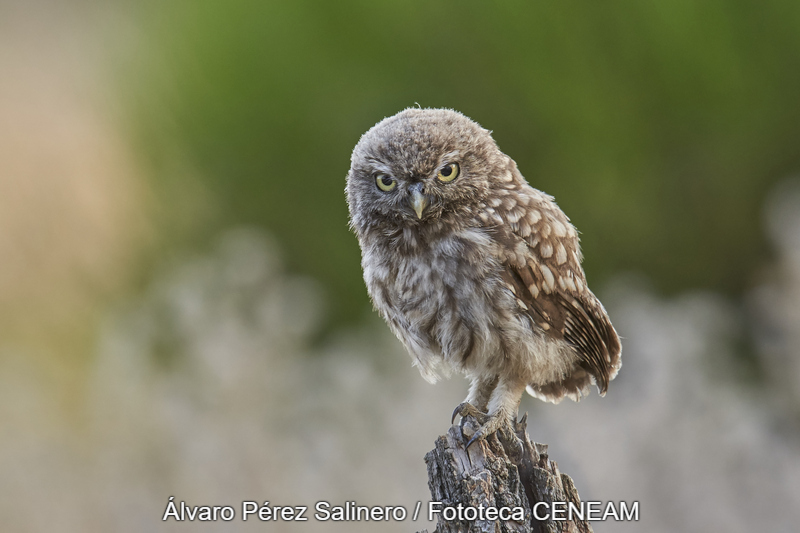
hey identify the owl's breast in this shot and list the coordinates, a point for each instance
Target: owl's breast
(443, 298)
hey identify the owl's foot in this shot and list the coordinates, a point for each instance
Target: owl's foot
(466, 409)
(496, 423)
(488, 424)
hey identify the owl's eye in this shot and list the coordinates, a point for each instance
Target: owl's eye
(448, 172)
(385, 182)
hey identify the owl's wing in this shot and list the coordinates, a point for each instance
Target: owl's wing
(542, 262)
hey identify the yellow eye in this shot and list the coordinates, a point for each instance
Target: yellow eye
(385, 182)
(448, 172)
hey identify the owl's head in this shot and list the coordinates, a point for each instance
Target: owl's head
(419, 166)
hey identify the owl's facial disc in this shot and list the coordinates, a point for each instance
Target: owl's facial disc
(417, 200)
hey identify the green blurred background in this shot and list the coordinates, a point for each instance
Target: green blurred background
(658, 126)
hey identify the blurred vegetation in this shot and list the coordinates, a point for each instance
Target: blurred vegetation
(658, 126)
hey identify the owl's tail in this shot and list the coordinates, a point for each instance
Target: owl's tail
(575, 386)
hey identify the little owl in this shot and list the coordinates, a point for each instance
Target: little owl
(473, 269)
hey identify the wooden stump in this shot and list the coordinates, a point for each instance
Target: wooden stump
(498, 472)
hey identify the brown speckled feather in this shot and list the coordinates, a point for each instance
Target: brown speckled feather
(542, 263)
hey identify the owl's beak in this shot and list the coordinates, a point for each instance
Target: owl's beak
(417, 200)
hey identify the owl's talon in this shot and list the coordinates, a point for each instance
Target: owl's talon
(476, 436)
(466, 409)
(490, 424)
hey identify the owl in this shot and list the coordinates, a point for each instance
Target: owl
(473, 269)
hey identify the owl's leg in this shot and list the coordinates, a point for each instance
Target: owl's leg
(503, 406)
(477, 402)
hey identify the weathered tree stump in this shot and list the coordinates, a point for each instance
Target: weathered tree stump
(496, 473)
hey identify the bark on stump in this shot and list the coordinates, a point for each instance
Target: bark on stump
(498, 473)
